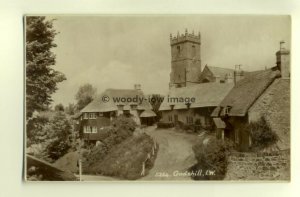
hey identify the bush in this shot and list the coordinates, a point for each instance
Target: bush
(211, 156)
(165, 124)
(123, 128)
(49, 137)
(261, 134)
(125, 159)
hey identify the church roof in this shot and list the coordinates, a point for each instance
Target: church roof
(113, 99)
(205, 95)
(245, 92)
(220, 72)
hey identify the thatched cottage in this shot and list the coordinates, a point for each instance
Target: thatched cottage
(260, 94)
(193, 104)
(112, 103)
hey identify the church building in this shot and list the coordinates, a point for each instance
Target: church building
(185, 81)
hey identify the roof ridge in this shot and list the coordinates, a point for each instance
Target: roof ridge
(221, 67)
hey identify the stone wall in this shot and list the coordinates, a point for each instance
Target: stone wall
(259, 166)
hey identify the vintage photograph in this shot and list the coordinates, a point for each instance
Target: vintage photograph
(157, 97)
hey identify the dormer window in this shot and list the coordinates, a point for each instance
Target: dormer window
(133, 107)
(85, 116)
(227, 110)
(172, 107)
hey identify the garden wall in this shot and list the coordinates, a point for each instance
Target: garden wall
(259, 166)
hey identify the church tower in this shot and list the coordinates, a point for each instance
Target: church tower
(185, 59)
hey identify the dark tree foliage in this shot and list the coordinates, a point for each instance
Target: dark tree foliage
(57, 135)
(155, 101)
(261, 134)
(85, 95)
(212, 156)
(41, 78)
(70, 109)
(59, 107)
(52, 132)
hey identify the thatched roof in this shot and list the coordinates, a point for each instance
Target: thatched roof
(245, 92)
(205, 94)
(147, 113)
(100, 105)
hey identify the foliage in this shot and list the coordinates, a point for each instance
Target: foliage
(49, 138)
(125, 159)
(123, 128)
(261, 134)
(155, 101)
(211, 156)
(165, 124)
(59, 107)
(70, 109)
(41, 78)
(85, 95)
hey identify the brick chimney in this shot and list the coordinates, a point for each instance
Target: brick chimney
(238, 73)
(283, 61)
(137, 86)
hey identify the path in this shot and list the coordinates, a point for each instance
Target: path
(175, 154)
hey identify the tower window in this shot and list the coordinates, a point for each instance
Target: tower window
(178, 49)
(193, 50)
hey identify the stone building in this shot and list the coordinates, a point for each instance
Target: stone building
(216, 74)
(185, 59)
(263, 93)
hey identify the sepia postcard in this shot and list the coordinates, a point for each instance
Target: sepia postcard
(157, 97)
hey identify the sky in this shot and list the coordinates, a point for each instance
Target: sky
(118, 51)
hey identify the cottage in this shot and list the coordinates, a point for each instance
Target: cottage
(203, 98)
(111, 103)
(260, 94)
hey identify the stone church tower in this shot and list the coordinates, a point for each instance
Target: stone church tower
(185, 59)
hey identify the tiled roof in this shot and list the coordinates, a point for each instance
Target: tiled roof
(220, 72)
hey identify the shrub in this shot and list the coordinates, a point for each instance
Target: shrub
(165, 124)
(122, 128)
(125, 159)
(211, 155)
(48, 138)
(261, 134)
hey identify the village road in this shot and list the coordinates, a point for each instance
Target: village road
(174, 157)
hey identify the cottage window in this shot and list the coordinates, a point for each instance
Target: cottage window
(170, 118)
(92, 115)
(85, 116)
(133, 107)
(84, 129)
(88, 130)
(189, 120)
(94, 129)
(237, 137)
(100, 114)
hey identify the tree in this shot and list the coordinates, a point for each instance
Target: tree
(85, 95)
(58, 132)
(59, 107)
(48, 138)
(70, 109)
(41, 78)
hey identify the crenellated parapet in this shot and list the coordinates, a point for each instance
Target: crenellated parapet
(192, 37)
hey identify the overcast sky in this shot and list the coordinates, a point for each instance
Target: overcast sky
(119, 51)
